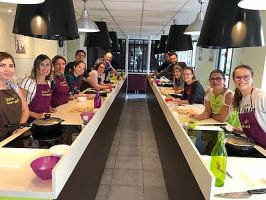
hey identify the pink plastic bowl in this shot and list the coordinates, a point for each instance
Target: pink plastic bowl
(43, 166)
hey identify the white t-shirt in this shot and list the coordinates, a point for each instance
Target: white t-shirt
(94, 76)
(258, 103)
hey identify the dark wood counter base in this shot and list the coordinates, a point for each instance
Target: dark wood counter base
(84, 181)
(179, 179)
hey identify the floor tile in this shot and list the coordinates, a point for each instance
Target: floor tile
(129, 150)
(114, 150)
(147, 134)
(110, 162)
(129, 177)
(102, 193)
(148, 142)
(131, 141)
(150, 151)
(128, 162)
(153, 178)
(131, 134)
(126, 193)
(107, 176)
(155, 193)
(152, 163)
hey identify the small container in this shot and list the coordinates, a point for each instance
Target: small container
(43, 166)
(97, 100)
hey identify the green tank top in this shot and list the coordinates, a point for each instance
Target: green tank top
(216, 103)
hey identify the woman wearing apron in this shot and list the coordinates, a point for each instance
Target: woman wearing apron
(193, 90)
(37, 88)
(218, 101)
(60, 88)
(96, 77)
(11, 98)
(74, 80)
(251, 105)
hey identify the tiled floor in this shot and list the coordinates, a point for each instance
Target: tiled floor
(133, 170)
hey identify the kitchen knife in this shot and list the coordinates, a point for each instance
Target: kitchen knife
(212, 124)
(241, 195)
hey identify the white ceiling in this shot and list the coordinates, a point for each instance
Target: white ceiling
(137, 19)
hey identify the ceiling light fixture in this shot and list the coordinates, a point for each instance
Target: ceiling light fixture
(253, 4)
(195, 27)
(115, 46)
(228, 26)
(85, 24)
(162, 43)
(46, 21)
(98, 39)
(177, 40)
(23, 1)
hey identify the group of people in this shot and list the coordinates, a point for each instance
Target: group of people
(244, 109)
(51, 83)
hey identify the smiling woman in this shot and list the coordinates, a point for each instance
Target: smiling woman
(11, 97)
(250, 103)
(37, 87)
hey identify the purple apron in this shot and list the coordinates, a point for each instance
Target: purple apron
(60, 93)
(42, 99)
(251, 126)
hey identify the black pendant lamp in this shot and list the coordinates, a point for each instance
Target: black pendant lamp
(115, 46)
(52, 20)
(121, 44)
(98, 39)
(155, 46)
(228, 26)
(177, 40)
(162, 44)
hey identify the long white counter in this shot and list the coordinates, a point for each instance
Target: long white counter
(247, 173)
(16, 177)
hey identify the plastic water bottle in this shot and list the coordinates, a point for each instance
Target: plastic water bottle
(219, 160)
(97, 100)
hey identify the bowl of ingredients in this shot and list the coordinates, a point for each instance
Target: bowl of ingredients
(59, 150)
(192, 123)
(43, 166)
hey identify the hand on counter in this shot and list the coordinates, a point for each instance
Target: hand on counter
(52, 110)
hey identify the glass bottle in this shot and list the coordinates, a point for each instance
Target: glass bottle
(97, 100)
(219, 160)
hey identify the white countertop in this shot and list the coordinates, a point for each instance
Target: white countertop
(17, 178)
(247, 173)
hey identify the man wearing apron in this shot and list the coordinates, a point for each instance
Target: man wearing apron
(251, 105)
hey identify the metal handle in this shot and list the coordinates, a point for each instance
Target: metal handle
(47, 116)
(257, 191)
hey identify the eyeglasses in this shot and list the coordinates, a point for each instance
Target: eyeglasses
(186, 74)
(216, 79)
(245, 77)
(81, 55)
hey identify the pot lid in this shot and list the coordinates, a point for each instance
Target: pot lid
(240, 141)
(47, 120)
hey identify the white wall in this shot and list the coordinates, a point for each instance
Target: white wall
(74, 45)
(204, 66)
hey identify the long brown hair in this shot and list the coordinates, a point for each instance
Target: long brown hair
(36, 66)
(238, 96)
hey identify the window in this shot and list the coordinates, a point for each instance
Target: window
(225, 63)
